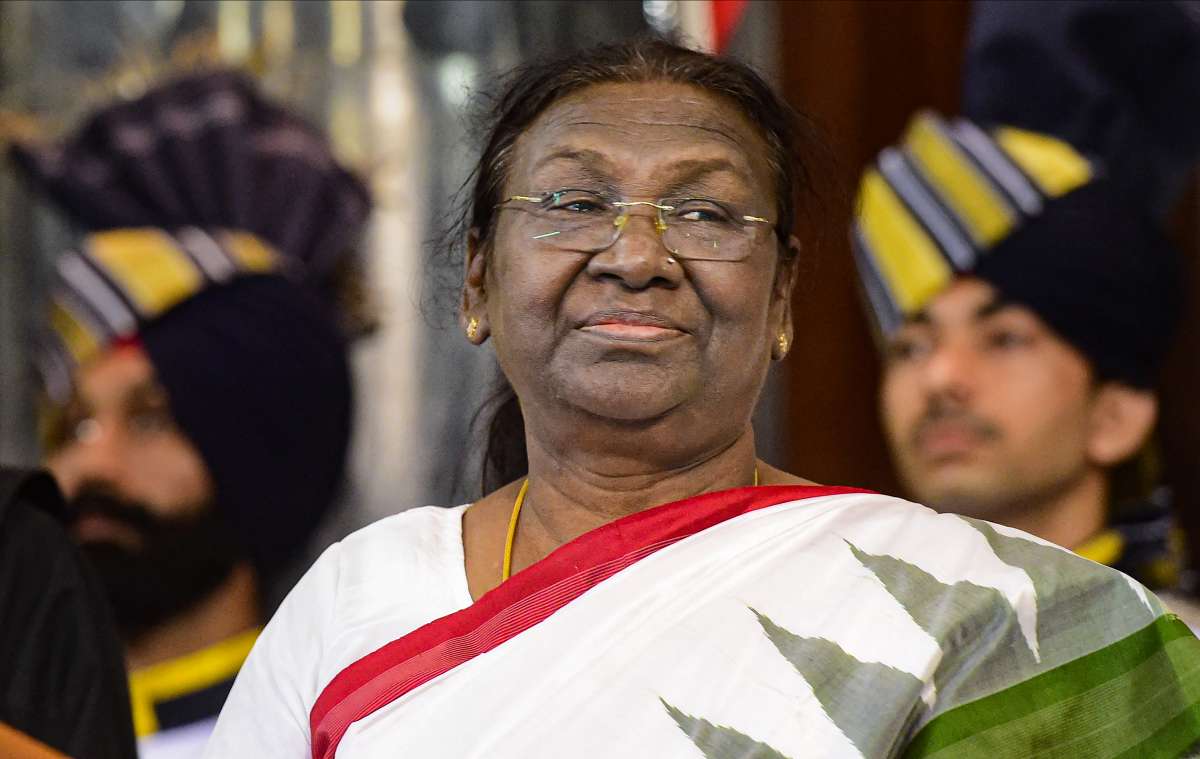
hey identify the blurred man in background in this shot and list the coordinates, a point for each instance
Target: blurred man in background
(1020, 281)
(1022, 327)
(199, 396)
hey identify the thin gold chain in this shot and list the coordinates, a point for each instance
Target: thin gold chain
(512, 530)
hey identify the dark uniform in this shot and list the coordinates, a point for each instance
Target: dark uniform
(62, 674)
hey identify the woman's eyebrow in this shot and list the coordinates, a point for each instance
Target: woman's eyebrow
(594, 161)
(687, 174)
(684, 175)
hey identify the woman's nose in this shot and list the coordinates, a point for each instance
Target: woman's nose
(638, 258)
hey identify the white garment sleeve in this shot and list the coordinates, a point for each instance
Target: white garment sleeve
(266, 714)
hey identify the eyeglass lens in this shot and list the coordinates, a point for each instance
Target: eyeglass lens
(693, 229)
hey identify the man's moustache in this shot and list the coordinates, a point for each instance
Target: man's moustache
(103, 502)
(941, 414)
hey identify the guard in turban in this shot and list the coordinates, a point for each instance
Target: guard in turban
(1020, 282)
(199, 395)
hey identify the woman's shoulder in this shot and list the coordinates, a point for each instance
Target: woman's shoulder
(376, 583)
(420, 550)
(377, 552)
(371, 587)
(949, 546)
(422, 528)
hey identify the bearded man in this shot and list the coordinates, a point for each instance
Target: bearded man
(198, 391)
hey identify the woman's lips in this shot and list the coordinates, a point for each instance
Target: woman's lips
(619, 331)
(636, 326)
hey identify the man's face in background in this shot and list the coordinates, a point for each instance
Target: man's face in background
(986, 408)
(142, 495)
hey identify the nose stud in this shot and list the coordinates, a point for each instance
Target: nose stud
(670, 260)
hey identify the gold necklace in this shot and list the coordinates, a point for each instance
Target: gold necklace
(506, 570)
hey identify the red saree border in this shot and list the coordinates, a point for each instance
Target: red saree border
(527, 598)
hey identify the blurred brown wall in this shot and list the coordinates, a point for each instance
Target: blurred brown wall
(1179, 425)
(861, 69)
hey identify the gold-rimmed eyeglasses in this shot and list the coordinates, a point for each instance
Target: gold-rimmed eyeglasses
(694, 229)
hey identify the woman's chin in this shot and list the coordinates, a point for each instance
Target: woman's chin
(621, 411)
(625, 403)
(624, 391)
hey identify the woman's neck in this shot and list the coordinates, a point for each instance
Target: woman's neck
(573, 492)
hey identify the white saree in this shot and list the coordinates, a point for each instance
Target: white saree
(757, 622)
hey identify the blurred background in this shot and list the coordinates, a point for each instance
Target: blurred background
(394, 84)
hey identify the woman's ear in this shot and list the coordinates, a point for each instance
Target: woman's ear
(473, 315)
(786, 274)
(1122, 419)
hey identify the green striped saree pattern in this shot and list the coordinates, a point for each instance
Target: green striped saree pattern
(1102, 670)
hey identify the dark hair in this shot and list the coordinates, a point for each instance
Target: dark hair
(531, 89)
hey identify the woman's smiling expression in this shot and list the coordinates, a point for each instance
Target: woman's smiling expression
(630, 333)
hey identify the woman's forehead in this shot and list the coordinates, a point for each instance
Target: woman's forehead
(637, 131)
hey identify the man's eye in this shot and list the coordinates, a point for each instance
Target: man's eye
(906, 349)
(151, 421)
(85, 430)
(64, 430)
(1005, 339)
(73, 429)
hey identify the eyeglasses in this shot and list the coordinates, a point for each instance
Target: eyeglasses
(695, 229)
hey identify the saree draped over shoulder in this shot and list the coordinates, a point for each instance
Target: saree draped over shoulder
(777, 622)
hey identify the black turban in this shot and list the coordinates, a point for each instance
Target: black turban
(1102, 276)
(257, 377)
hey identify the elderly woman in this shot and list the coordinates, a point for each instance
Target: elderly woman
(630, 258)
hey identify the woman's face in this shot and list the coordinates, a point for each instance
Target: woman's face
(627, 333)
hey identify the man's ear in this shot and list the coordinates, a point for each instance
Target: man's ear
(1122, 419)
(786, 273)
(473, 313)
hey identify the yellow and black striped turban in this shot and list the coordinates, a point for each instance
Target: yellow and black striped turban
(121, 280)
(1032, 216)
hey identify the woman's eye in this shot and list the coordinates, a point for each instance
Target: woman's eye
(582, 206)
(575, 203)
(710, 214)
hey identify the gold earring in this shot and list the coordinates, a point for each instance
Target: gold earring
(472, 328)
(783, 344)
